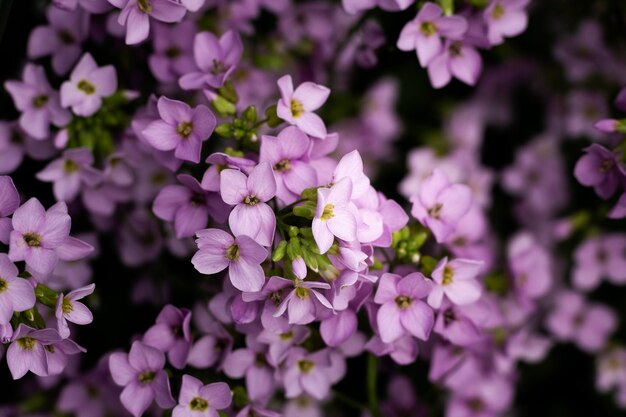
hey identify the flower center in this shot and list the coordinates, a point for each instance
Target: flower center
(69, 166)
(173, 52)
(286, 336)
(448, 275)
(402, 301)
(217, 68)
(498, 11)
(3, 285)
(296, 108)
(282, 166)
(276, 297)
(455, 49)
(251, 200)
(40, 101)
(305, 366)
(184, 129)
(144, 6)
(428, 28)
(66, 306)
(328, 212)
(198, 404)
(32, 239)
(66, 37)
(606, 166)
(86, 87)
(435, 211)
(27, 343)
(449, 317)
(302, 293)
(232, 253)
(146, 377)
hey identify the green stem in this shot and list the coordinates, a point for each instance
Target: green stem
(5, 9)
(372, 379)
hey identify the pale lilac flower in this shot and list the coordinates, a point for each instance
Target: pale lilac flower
(16, 294)
(423, 34)
(307, 373)
(141, 374)
(617, 212)
(600, 168)
(288, 155)
(440, 204)
(530, 265)
(38, 102)
(304, 303)
(9, 202)
(172, 335)
(334, 217)
(217, 250)
(505, 18)
(611, 369)
(180, 128)
(70, 173)
(456, 325)
(252, 364)
(597, 258)
(61, 38)
(215, 58)
(41, 238)
(252, 216)
(457, 281)
(28, 352)
(218, 162)
(173, 51)
(136, 16)
(402, 311)
(87, 86)
(458, 59)
(197, 400)
(296, 107)
(69, 309)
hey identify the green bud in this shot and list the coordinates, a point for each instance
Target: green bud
(46, 296)
(279, 252)
(293, 231)
(306, 210)
(310, 259)
(428, 264)
(297, 249)
(309, 194)
(377, 265)
(224, 130)
(228, 92)
(272, 117)
(249, 115)
(447, 6)
(223, 107)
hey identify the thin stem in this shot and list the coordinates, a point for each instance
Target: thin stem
(372, 379)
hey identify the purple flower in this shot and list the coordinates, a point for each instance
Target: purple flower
(141, 374)
(215, 58)
(457, 281)
(173, 51)
(9, 202)
(181, 129)
(402, 310)
(38, 102)
(505, 18)
(288, 155)
(41, 238)
(304, 303)
(617, 212)
(197, 400)
(188, 206)
(296, 107)
(307, 373)
(217, 250)
(439, 205)
(601, 169)
(596, 258)
(252, 363)
(252, 216)
(136, 15)
(69, 309)
(16, 294)
(334, 216)
(171, 334)
(458, 59)
(28, 351)
(218, 162)
(424, 33)
(62, 38)
(531, 266)
(69, 173)
(87, 85)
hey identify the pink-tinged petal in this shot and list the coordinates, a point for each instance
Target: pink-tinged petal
(233, 186)
(429, 11)
(513, 23)
(250, 250)
(167, 11)
(260, 383)
(436, 296)
(20, 361)
(293, 143)
(22, 294)
(300, 177)
(73, 249)
(42, 41)
(169, 201)
(193, 5)
(203, 121)
(323, 237)
(84, 67)
(261, 182)
(190, 389)
(192, 81)
(232, 48)
(5, 230)
(7, 268)
(311, 95)
(105, 79)
(285, 85)
(246, 276)
(238, 361)
(408, 36)
(136, 398)
(121, 371)
(21, 93)
(414, 285)
(80, 314)
(617, 212)
(452, 27)
(137, 26)
(162, 391)
(57, 227)
(418, 319)
(214, 237)
(206, 49)
(428, 47)
(161, 135)
(30, 217)
(283, 110)
(36, 123)
(189, 219)
(438, 71)
(174, 111)
(388, 320)
(42, 261)
(316, 384)
(587, 170)
(9, 198)
(343, 225)
(456, 200)
(463, 292)
(387, 290)
(159, 336)
(339, 328)
(142, 357)
(468, 66)
(300, 311)
(218, 395)
(266, 223)
(312, 124)
(210, 260)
